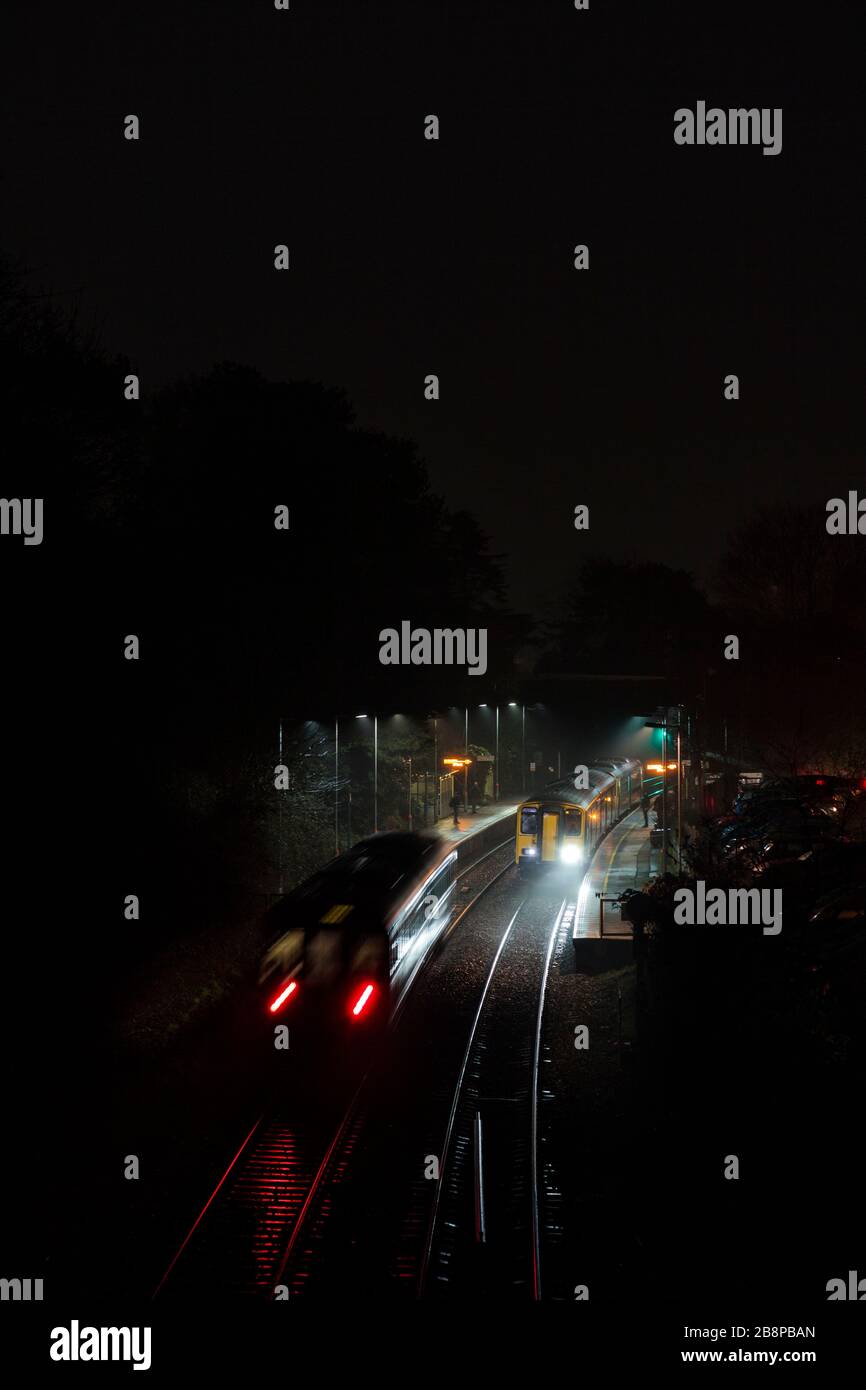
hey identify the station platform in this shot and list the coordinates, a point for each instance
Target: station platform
(624, 859)
(469, 824)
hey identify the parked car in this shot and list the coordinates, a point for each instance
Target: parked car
(842, 905)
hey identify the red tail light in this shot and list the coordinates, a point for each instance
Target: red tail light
(283, 996)
(362, 1000)
(820, 782)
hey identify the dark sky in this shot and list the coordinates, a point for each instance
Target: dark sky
(455, 257)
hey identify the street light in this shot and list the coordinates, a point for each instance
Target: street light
(679, 800)
(280, 807)
(663, 725)
(513, 704)
(375, 769)
(485, 705)
(409, 760)
(665, 794)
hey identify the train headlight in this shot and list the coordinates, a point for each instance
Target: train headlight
(530, 850)
(570, 854)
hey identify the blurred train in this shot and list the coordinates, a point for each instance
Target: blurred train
(344, 944)
(562, 825)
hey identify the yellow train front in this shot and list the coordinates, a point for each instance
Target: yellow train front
(563, 824)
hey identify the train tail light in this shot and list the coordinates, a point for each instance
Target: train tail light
(283, 997)
(362, 1001)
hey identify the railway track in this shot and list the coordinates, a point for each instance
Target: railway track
(497, 1203)
(263, 1228)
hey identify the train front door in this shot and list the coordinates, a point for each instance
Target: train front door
(549, 835)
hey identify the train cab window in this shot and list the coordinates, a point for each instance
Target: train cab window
(434, 902)
(571, 821)
(529, 820)
(443, 878)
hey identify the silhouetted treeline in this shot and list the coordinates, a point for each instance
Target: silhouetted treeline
(793, 597)
(159, 523)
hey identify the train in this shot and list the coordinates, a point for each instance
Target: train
(345, 944)
(343, 947)
(562, 825)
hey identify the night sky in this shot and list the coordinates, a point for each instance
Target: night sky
(410, 256)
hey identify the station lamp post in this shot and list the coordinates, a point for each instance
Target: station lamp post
(513, 704)
(679, 789)
(455, 764)
(375, 769)
(663, 723)
(280, 811)
(484, 705)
